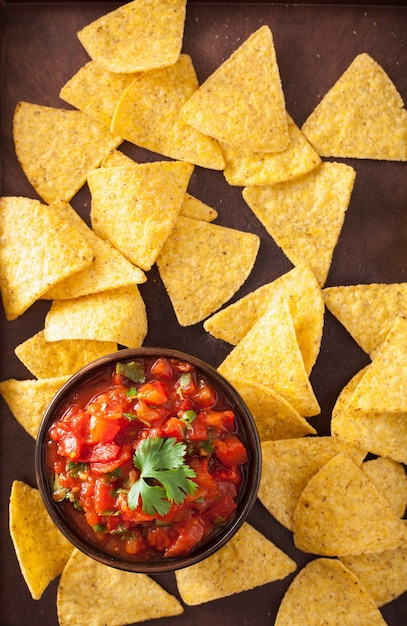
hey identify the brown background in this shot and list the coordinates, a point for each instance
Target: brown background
(314, 44)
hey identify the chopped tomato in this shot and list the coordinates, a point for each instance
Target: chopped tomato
(158, 538)
(220, 420)
(205, 395)
(104, 497)
(221, 511)
(190, 533)
(231, 451)
(103, 430)
(153, 393)
(174, 427)
(134, 543)
(162, 369)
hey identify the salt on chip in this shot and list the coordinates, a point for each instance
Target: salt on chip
(57, 147)
(109, 596)
(37, 251)
(60, 358)
(289, 465)
(326, 592)
(244, 167)
(135, 206)
(362, 116)
(367, 311)
(42, 551)
(138, 36)
(117, 315)
(303, 293)
(234, 568)
(148, 115)
(384, 434)
(242, 102)
(28, 399)
(269, 354)
(390, 479)
(305, 216)
(340, 512)
(202, 265)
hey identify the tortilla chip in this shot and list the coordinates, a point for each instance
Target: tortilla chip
(385, 434)
(138, 36)
(95, 91)
(305, 216)
(41, 549)
(242, 102)
(244, 168)
(269, 354)
(289, 465)
(136, 206)
(118, 315)
(234, 568)
(202, 265)
(383, 388)
(390, 479)
(340, 512)
(326, 592)
(28, 399)
(148, 115)
(367, 311)
(57, 147)
(38, 250)
(60, 358)
(362, 116)
(109, 596)
(305, 302)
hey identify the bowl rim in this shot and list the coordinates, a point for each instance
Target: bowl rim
(246, 498)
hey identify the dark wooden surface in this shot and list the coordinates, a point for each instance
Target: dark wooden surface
(314, 44)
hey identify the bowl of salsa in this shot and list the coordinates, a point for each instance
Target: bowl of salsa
(148, 460)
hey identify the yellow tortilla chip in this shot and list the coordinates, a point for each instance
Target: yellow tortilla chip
(305, 216)
(118, 315)
(326, 592)
(138, 36)
(28, 399)
(202, 265)
(305, 302)
(289, 465)
(60, 358)
(367, 311)
(234, 568)
(109, 596)
(390, 479)
(136, 206)
(148, 115)
(244, 168)
(37, 251)
(385, 434)
(242, 102)
(362, 116)
(269, 354)
(57, 147)
(42, 551)
(340, 512)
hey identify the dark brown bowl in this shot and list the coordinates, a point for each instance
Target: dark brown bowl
(247, 495)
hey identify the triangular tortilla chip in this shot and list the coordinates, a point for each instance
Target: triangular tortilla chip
(367, 311)
(383, 388)
(57, 147)
(244, 168)
(60, 358)
(234, 568)
(42, 551)
(148, 115)
(303, 294)
(340, 513)
(37, 251)
(326, 592)
(362, 116)
(202, 265)
(305, 216)
(384, 434)
(390, 479)
(118, 315)
(242, 102)
(288, 466)
(28, 399)
(109, 596)
(269, 354)
(136, 206)
(138, 36)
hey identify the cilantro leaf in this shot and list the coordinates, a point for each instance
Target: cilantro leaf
(133, 371)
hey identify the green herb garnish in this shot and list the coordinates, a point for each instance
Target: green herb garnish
(133, 371)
